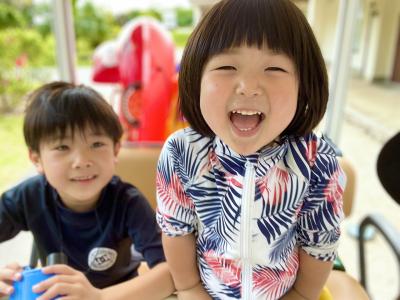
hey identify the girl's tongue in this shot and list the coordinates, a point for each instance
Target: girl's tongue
(245, 122)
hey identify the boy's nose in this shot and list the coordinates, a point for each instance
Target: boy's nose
(82, 161)
(248, 87)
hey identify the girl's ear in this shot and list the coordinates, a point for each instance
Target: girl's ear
(117, 147)
(35, 159)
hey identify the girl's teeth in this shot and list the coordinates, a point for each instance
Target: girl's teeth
(246, 112)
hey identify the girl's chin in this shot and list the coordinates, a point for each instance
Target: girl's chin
(244, 147)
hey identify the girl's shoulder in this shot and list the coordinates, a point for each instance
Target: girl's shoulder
(309, 152)
(312, 145)
(186, 154)
(188, 140)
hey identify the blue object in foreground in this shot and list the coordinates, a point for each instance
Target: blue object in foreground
(23, 288)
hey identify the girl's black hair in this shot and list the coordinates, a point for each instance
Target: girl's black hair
(278, 24)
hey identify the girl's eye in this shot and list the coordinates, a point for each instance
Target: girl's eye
(274, 69)
(226, 68)
(61, 148)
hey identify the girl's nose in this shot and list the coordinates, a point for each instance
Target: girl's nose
(248, 87)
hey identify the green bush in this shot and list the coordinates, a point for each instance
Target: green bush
(94, 25)
(184, 17)
(124, 18)
(84, 52)
(10, 17)
(15, 89)
(42, 18)
(15, 42)
(31, 50)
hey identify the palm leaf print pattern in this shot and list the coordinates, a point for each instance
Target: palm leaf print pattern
(297, 204)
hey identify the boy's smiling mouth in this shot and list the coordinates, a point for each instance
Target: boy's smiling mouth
(83, 178)
(245, 120)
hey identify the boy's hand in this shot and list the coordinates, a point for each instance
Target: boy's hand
(195, 293)
(9, 274)
(67, 282)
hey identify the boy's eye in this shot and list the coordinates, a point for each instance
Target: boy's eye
(97, 144)
(275, 69)
(61, 148)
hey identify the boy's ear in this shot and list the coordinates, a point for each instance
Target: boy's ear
(117, 147)
(35, 159)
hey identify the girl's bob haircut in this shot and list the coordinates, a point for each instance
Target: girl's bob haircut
(278, 24)
(56, 107)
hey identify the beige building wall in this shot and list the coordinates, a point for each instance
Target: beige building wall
(322, 15)
(389, 14)
(375, 36)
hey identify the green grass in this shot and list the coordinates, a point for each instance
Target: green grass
(14, 161)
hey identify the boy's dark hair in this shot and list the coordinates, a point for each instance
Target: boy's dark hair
(281, 26)
(55, 107)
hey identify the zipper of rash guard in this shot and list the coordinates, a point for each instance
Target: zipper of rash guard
(245, 233)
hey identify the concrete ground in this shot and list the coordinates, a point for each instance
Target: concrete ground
(372, 115)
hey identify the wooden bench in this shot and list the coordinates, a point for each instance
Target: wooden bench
(137, 164)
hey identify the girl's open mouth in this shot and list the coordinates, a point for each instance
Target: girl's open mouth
(246, 121)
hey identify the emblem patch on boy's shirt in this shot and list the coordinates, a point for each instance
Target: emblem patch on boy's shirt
(101, 259)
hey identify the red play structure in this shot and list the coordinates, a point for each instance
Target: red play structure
(142, 62)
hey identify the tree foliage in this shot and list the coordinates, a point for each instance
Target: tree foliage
(124, 18)
(14, 42)
(94, 25)
(22, 50)
(42, 18)
(10, 17)
(27, 42)
(184, 17)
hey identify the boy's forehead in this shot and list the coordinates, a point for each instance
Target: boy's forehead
(70, 132)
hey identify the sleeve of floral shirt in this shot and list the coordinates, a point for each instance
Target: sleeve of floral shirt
(322, 211)
(175, 210)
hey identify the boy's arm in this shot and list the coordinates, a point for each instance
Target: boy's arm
(181, 257)
(154, 284)
(311, 277)
(12, 219)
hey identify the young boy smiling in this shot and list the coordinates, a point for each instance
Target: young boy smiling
(77, 206)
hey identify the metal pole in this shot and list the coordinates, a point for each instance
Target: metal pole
(341, 68)
(65, 40)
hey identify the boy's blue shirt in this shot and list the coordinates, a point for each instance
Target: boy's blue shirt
(99, 242)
